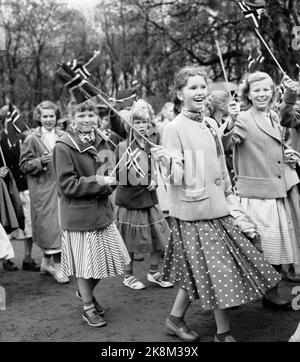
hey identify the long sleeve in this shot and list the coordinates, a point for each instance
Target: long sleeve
(171, 142)
(117, 126)
(68, 181)
(237, 135)
(30, 158)
(289, 111)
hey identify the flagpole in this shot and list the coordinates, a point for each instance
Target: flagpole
(2, 156)
(222, 63)
(269, 50)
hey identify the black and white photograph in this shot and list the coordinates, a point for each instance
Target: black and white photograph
(149, 174)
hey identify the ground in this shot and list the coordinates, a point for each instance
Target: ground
(38, 309)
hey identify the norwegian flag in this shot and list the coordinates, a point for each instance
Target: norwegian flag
(77, 85)
(86, 64)
(15, 124)
(133, 161)
(252, 11)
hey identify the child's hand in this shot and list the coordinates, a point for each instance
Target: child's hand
(233, 110)
(160, 155)
(46, 158)
(288, 83)
(3, 171)
(152, 186)
(106, 180)
(254, 238)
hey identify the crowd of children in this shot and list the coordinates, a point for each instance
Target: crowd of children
(211, 188)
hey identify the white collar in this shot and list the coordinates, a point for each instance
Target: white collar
(44, 130)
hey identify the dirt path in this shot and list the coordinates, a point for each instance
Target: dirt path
(38, 309)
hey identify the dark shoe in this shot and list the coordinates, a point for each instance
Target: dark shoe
(30, 266)
(100, 310)
(234, 307)
(182, 331)
(9, 266)
(291, 277)
(224, 337)
(92, 318)
(268, 304)
(138, 257)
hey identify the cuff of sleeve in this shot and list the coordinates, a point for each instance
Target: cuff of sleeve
(290, 97)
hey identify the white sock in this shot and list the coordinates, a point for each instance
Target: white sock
(296, 335)
(57, 268)
(89, 306)
(45, 262)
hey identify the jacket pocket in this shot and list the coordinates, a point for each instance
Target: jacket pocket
(195, 195)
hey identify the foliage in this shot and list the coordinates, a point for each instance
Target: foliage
(150, 37)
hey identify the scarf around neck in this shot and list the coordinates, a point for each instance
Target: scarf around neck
(198, 117)
(85, 137)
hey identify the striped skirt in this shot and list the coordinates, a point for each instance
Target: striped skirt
(94, 254)
(272, 219)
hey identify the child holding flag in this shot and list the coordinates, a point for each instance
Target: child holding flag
(138, 215)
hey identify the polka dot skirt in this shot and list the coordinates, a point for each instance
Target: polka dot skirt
(216, 263)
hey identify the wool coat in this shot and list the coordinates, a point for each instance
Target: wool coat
(200, 187)
(84, 203)
(42, 191)
(258, 157)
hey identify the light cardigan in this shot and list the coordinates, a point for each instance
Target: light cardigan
(200, 187)
(258, 157)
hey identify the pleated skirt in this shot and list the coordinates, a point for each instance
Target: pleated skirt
(215, 263)
(94, 254)
(143, 230)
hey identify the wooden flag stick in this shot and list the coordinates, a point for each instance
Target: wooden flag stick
(2, 156)
(269, 50)
(222, 64)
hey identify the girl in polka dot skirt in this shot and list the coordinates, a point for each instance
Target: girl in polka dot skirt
(208, 256)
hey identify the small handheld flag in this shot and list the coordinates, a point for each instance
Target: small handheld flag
(133, 161)
(15, 124)
(252, 11)
(86, 64)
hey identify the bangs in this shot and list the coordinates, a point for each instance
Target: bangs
(87, 106)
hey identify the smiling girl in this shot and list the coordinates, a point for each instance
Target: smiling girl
(264, 178)
(208, 257)
(92, 247)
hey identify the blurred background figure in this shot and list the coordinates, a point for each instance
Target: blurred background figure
(36, 161)
(165, 116)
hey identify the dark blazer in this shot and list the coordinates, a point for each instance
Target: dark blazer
(12, 158)
(132, 190)
(84, 203)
